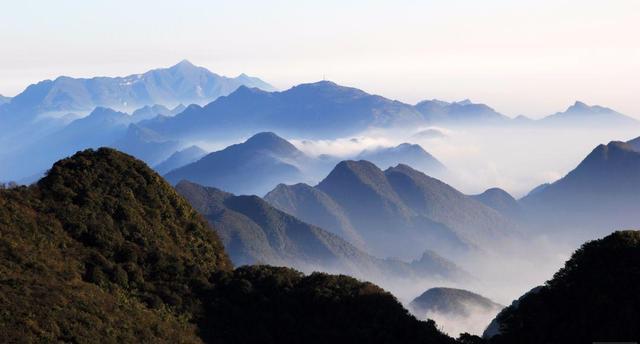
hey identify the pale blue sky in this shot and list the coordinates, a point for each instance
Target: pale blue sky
(530, 57)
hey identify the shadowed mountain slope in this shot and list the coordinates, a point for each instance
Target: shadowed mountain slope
(396, 212)
(321, 109)
(601, 193)
(255, 232)
(501, 201)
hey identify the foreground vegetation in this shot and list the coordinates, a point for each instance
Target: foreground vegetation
(593, 298)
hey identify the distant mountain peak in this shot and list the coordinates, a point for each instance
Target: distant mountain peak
(184, 64)
(581, 113)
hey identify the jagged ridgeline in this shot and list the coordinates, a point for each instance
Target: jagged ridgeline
(104, 249)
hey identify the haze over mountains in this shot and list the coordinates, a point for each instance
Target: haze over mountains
(321, 109)
(182, 83)
(462, 112)
(180, 158)
(395, 212)
(252, 167)
(584, 115)
(253, 231)
(407, 154)
(455, 310)
(46, 110)
(168, 102)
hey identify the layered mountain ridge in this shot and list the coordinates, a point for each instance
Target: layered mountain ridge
(397, 211)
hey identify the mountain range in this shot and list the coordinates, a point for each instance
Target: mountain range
(321, 110)
(253, 232)
(325, 110)
(183, 83)
(221, 109)
(4, 100)
(396, 212)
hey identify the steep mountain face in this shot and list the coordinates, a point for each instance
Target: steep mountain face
(314, 206)
(601, 193)
(183, 83)
(501, 201)
(252, 167)
(146, 145)
(405, 153)
(581, 114)
(463, 112)
(180, 158)
(103, 247)
(255, 232)
(322, 109)
(593, 298)
(455, 310)
(440, 202)
(398, 212)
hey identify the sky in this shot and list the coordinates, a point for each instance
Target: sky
(531, 57)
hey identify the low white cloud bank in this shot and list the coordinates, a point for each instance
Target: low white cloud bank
(515, 159)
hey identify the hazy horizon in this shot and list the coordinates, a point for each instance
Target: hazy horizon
(533, 58)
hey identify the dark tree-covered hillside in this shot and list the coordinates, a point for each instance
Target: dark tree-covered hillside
(594, 298)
